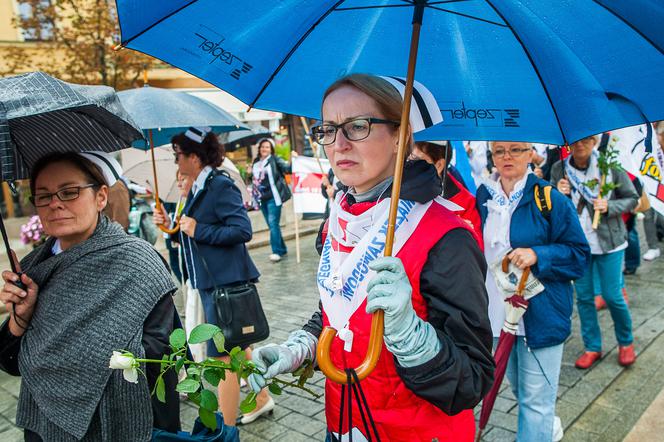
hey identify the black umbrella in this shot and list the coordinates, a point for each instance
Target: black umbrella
(40, 114)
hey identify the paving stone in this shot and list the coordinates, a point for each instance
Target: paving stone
(596, 419)
(264, 428)
(569, 375)
(578, 435)
(568, 412)
(583, 393)
(503, 420)
(504, 404)
(304, 406)
(499, 435)
(293, 436)
(12, 434)
(304, 424)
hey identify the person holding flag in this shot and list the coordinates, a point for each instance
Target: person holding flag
(435, 364)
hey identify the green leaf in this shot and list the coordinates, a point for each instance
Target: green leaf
(178, 365)
(213, 375)
(249, 403)
(188, 386)
(219, 342)
(177, 339)
(161, 390)
(202, 333)
(208, 418)
(164, 362)
(195, 398)
(209, 400)
(275, 388)
(235, 351)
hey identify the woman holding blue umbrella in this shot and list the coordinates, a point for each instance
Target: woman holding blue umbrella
(435, 363)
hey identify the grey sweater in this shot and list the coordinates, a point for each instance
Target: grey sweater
(93, 299)
(611, 230)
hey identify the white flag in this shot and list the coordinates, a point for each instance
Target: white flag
(307, 180)
(635, 159)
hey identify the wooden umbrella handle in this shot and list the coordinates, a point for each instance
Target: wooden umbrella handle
(170, 230)
(366, 367)
(524, 276)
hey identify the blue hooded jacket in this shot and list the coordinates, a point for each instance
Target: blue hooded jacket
(562, 256)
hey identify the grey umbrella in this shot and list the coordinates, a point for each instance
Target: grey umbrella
(40, 114)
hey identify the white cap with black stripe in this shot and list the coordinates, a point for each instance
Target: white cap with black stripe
(108, 165)
(424, 110)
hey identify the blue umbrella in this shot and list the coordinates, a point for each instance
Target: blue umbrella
(163, 113)
(166, 113)
(530, 70)
(522, 70)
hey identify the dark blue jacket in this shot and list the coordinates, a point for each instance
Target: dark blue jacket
(562, 254)
(222, 229)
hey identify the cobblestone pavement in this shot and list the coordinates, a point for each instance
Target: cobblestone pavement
(601, 404)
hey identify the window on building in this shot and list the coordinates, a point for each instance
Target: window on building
(35, 26)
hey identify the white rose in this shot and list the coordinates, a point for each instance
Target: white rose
(126, 363)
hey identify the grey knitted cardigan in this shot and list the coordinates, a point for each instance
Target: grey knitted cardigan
(93, 298)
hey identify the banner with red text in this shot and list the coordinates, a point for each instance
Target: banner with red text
(307, 181)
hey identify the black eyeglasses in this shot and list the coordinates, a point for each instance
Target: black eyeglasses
(66, 194)
(354, 130)
(515, 152)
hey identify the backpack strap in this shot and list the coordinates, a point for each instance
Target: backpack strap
(543, 200)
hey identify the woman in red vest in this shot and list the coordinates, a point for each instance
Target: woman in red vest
(436, 363)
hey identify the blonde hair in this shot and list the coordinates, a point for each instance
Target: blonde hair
(388, 100)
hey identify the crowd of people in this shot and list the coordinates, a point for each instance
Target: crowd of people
(442, 292)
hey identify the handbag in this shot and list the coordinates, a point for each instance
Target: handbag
(239, 312)
(644, 203)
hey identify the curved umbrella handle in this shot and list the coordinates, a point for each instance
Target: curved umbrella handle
(370, 360)
(524, 275)
(170, 230)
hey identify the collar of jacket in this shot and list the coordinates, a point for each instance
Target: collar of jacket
(420, 183)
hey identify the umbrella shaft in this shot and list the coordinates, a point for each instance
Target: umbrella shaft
(403, 135)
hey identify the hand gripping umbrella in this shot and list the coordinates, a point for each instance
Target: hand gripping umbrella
(557, 86)
(515, 307)
(163, 113)
(40, 114)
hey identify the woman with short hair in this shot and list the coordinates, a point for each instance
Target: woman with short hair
(88, 291)
(542, 233)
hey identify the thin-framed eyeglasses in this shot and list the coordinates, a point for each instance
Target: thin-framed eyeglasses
(66, 194)
(354, 130)
(515, 152)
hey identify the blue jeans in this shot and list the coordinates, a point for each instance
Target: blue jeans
(272, 214)
(633, 251)
(533, 376)
(609, 270)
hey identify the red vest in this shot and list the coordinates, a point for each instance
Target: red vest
(466, 200)
(399, 414)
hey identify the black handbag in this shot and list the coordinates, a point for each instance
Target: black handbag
(239, 312)
(241, 316)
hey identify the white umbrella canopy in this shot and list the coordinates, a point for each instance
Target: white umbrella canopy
(141, 173)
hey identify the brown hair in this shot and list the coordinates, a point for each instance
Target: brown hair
(435, 151)
(387, 98)
(89, 169)
(210, 151)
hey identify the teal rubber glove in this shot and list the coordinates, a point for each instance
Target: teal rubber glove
(273, 360)
(410, 339)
